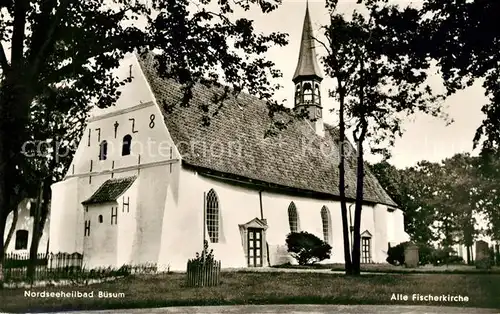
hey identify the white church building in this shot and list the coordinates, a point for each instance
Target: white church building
(142, 176)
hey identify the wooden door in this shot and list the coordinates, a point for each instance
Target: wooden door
(254, 247)
(366, 250)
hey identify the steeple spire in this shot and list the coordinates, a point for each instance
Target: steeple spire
(307, 65)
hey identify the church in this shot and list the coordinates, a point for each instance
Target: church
(149, 186)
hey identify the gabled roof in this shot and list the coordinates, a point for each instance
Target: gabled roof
(234, 142)
(308, 63)
(110, 190)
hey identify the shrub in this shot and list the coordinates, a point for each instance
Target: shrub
(307, 248)
(425, 253)
(205, 256)
(445, 256)
(396, 254)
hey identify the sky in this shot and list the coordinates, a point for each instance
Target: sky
(425, 137)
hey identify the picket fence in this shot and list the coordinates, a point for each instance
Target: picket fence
(47, 266)
(203, 274)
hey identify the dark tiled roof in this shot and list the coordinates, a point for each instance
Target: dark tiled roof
(308, 61)
(234, 143)
(110, 190)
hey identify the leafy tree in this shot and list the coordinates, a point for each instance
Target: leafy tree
(464, 38)
(307, 248)
(409, 188)
(383, 81)
(77, 44)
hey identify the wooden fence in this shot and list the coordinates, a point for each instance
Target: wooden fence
(47, 266)
(203, 274)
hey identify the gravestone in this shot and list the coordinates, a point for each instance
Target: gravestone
(411, 255)
(482, 255)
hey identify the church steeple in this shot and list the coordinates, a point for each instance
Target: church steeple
(307, 65)
(307, 77)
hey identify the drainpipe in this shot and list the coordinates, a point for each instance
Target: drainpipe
(351, 228)
(262, 217)
(261, 209)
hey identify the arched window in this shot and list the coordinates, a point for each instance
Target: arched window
(127, 142)
(100, 219)
(317, 94)
(212, 216)
(21, 239)
(308, 93)
(325, 219)
(103, 150)
(297, 94)
(293, 219)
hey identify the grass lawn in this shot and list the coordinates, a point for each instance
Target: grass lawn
(264, 288)
(388, 268)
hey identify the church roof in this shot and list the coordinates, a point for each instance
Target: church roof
(308, 63)
(110, 190)
(234, 142)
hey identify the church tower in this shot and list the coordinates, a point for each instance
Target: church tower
(307, 78)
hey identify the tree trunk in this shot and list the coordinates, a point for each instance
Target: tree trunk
(39, 224)
(3, 198)
(2, 253)
(468, 254)
(15, 217)
(343, 205)
(356, 249)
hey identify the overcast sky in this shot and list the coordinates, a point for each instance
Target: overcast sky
(425, 137)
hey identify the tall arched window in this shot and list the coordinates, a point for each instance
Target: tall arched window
(127, 142)
(212, 216)
(21, 239)
(325, 219)
(293, 219)
(103, 150)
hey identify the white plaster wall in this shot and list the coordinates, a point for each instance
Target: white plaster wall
(397, 225)
(100, 247)
(152, 190)
(127, 226)
(239, 205)
(25, 222)
(64, 228)
(380, 241)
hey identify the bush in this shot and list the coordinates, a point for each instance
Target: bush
(425, 253)
(307, 248)
(445, 256)
(205, 256)
(396, 254)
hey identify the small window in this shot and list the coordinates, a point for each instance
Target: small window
(293, 219)
(100, 219)
(103, 150)
(21, 239)
(127, 142)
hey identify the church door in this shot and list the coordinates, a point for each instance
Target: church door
(366, 250)
(254, 247)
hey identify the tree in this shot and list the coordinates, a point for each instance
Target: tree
(463, 37)
(385, 82)
(307, 248)
(77, 44)
(409, 188)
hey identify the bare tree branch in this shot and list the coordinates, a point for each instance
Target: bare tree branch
(4, 63)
